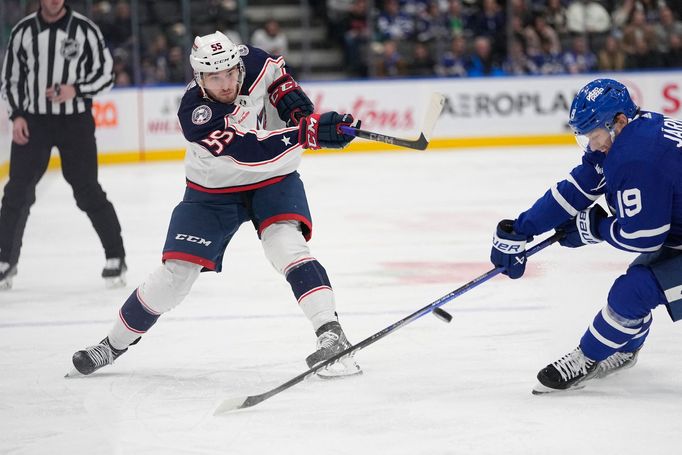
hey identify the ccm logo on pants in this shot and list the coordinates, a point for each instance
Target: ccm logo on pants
(193, 239)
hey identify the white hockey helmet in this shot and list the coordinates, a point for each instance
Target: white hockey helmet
(212, 53)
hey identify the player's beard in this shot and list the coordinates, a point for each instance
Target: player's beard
(223, 96)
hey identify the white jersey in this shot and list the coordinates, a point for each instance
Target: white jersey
(240, 146)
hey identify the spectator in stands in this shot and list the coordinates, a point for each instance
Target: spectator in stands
(580, 59)
(454, 62)
(150, 73)
(155, 64)
(555, 16)
(651, 9)
(482, 62)
(176, 66)
(637, 31)
(611, 56)
(121, 32)
(643, 56)
(337, 14)
(491, 22)
(517, 30)
(457, 21)
(520, 9)
(622, 13)
(356, 39)
(121, 68)
(122, 79)
(551, 59)
(673, 58)
(271, 39)
(414, 7)
(665, 28)
(543, 30)
(422, 62)
(517, 62)
(587, 16)
(391, 63)
(393, 24)
(430, 24)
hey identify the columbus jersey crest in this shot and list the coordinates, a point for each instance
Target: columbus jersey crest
(201, 114)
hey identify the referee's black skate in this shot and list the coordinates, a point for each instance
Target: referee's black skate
(330, 341)
(569, 372)
(92, 358)
(7, 273)
(114, 272)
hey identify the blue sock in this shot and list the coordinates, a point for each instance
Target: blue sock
(608, 333)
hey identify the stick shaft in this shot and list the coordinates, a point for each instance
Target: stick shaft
(255, 399)
(433, 111)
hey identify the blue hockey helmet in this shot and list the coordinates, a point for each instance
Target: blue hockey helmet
(598, 103)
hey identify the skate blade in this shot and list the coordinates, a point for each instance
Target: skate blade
(6, 284)
(74, 373)
(541, 389)
(115, 282)
(341, 369)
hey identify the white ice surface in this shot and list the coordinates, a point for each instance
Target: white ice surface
(395, 232)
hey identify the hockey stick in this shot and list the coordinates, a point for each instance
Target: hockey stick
(432, 113)
(231, 404)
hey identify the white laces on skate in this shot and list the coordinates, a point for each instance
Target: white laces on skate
(101, 355)
(573, 365)
(327, 340)
(616, 360)
(4, 266)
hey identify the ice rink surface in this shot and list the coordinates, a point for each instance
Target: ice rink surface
(394, 231)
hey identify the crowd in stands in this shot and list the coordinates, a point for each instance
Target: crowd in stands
(460, 38)
(397, 38)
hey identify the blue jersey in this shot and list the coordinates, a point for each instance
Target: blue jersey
(240, 146)
(641, 179)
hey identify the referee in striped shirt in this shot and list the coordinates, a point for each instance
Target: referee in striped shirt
(56, 62)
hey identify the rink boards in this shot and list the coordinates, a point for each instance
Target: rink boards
(141, 124)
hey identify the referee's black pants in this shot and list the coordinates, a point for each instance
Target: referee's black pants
(74, 136)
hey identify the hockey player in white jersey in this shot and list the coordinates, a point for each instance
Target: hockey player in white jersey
(247, 123)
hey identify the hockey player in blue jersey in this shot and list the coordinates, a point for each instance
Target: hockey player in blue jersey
(247, 122)
(634, 159)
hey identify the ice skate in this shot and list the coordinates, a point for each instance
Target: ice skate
(114, 273)
(616, 362)
(92, 358)
(569, 372)
(330, 341)
(7, 273)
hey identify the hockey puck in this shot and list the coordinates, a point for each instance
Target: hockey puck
(442, 315)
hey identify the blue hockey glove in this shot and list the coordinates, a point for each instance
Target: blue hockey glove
(290, 100)
(509, 250)
(582, 229)
(323, 130)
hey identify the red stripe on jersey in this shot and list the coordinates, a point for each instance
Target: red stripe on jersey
(234, 189)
